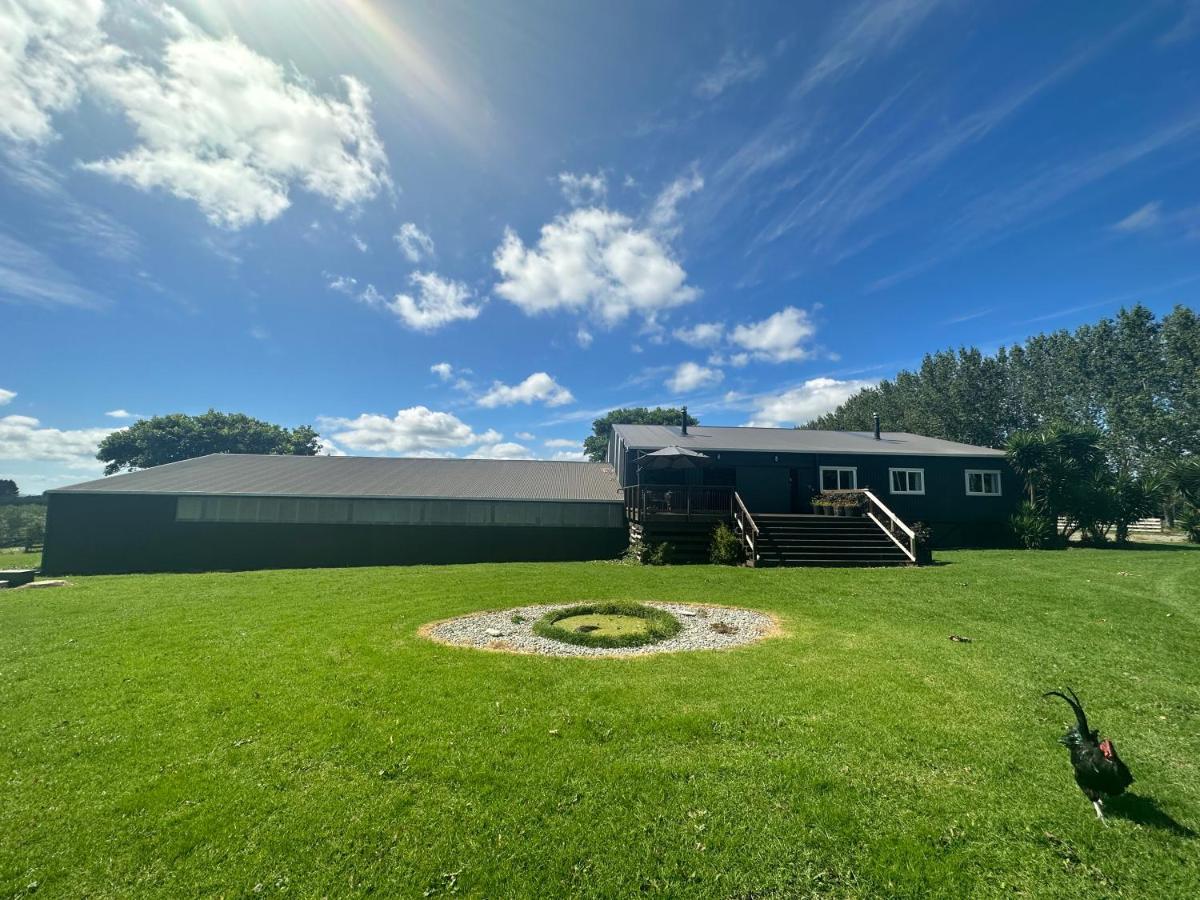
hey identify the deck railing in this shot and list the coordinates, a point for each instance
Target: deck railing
(679, 501)
(746, 528)
(890, 523)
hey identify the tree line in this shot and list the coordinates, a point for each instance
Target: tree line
(1132, 379)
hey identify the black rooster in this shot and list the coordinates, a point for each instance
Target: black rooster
(1099, 772)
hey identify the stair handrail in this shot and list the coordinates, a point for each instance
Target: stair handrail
(746, 525)
(893, 522)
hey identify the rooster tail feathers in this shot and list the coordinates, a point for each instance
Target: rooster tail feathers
(1073, 701)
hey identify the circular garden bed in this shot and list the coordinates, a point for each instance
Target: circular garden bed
(605, 628)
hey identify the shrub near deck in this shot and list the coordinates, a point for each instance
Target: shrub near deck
(204, 735)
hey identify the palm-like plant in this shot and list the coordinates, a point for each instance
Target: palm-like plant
(1062, 467)
(1184, 476)
(1132, 498)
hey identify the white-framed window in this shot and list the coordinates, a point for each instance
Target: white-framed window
(983, 482)
(835, 478)
(907, 481)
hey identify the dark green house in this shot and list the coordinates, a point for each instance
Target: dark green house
(964, 494)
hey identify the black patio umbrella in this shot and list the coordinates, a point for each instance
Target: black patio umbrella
(674, 458)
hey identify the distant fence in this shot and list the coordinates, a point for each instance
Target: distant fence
(1141, 526)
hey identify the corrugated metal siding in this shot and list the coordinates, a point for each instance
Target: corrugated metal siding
(347, 476)
(339, 511)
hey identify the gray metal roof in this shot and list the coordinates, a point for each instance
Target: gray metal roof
(367, 476)
(792, 440)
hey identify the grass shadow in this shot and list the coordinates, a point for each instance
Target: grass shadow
(1146, 811)
(1153, 545)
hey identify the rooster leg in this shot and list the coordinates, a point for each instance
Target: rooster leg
(1099, 807)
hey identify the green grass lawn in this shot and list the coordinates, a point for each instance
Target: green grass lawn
(289, 732)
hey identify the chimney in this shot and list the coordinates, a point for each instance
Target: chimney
(683, 427)
(876, 416)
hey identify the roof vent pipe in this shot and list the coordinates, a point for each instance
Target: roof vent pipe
(683, 427)
(876, 417)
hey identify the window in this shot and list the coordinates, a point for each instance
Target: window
(907, 481)
(983, 482)
(837, 478)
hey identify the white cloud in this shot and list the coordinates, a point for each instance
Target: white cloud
(664, 214)
(1141, 219)
(591, 260)
(734, 68)
(327, 447)
(358, 242)
(414, 243)
(537, 388)
(416, 430)
(581, 190)
(690, 376)
(799, 405)
(24, 438)
(504, 450)
(6, 396)
(776, 338)
(563, 442)
(584, 337)
(702, 334)
(123, 414)
(437, 302)
(525, 436)
(343, 284)
(45, 52)
(442, 370)
(216, 123)
(570, 456)
(232, 131)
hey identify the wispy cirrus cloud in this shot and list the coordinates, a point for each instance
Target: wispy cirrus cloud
(862, 34)
(734, 68)
(30, 276)
(997, 213)
(1140, 219)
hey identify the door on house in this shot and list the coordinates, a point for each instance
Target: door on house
(800, 490)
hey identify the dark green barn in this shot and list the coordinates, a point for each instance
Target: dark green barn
(230, 511)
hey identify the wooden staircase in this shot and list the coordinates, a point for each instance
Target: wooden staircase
(807, 540)
(684, 517)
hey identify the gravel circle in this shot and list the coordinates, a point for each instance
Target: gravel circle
(496, 630)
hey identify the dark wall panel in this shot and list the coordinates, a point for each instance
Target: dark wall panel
(110, 534)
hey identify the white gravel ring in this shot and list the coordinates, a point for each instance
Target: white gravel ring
(496, 630)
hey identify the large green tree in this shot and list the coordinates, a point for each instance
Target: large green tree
(166, 439)
(1131, 378)
(596, 444)
(8, 488)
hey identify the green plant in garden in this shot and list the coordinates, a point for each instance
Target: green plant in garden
(1032, 526)
(643, 553)
(726, 547)
(1189, 521)
(609, 625)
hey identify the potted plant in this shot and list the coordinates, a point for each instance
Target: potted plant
(924, 543)
(847, 504)
(823, 506)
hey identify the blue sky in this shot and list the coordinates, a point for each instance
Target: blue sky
(466, 229)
